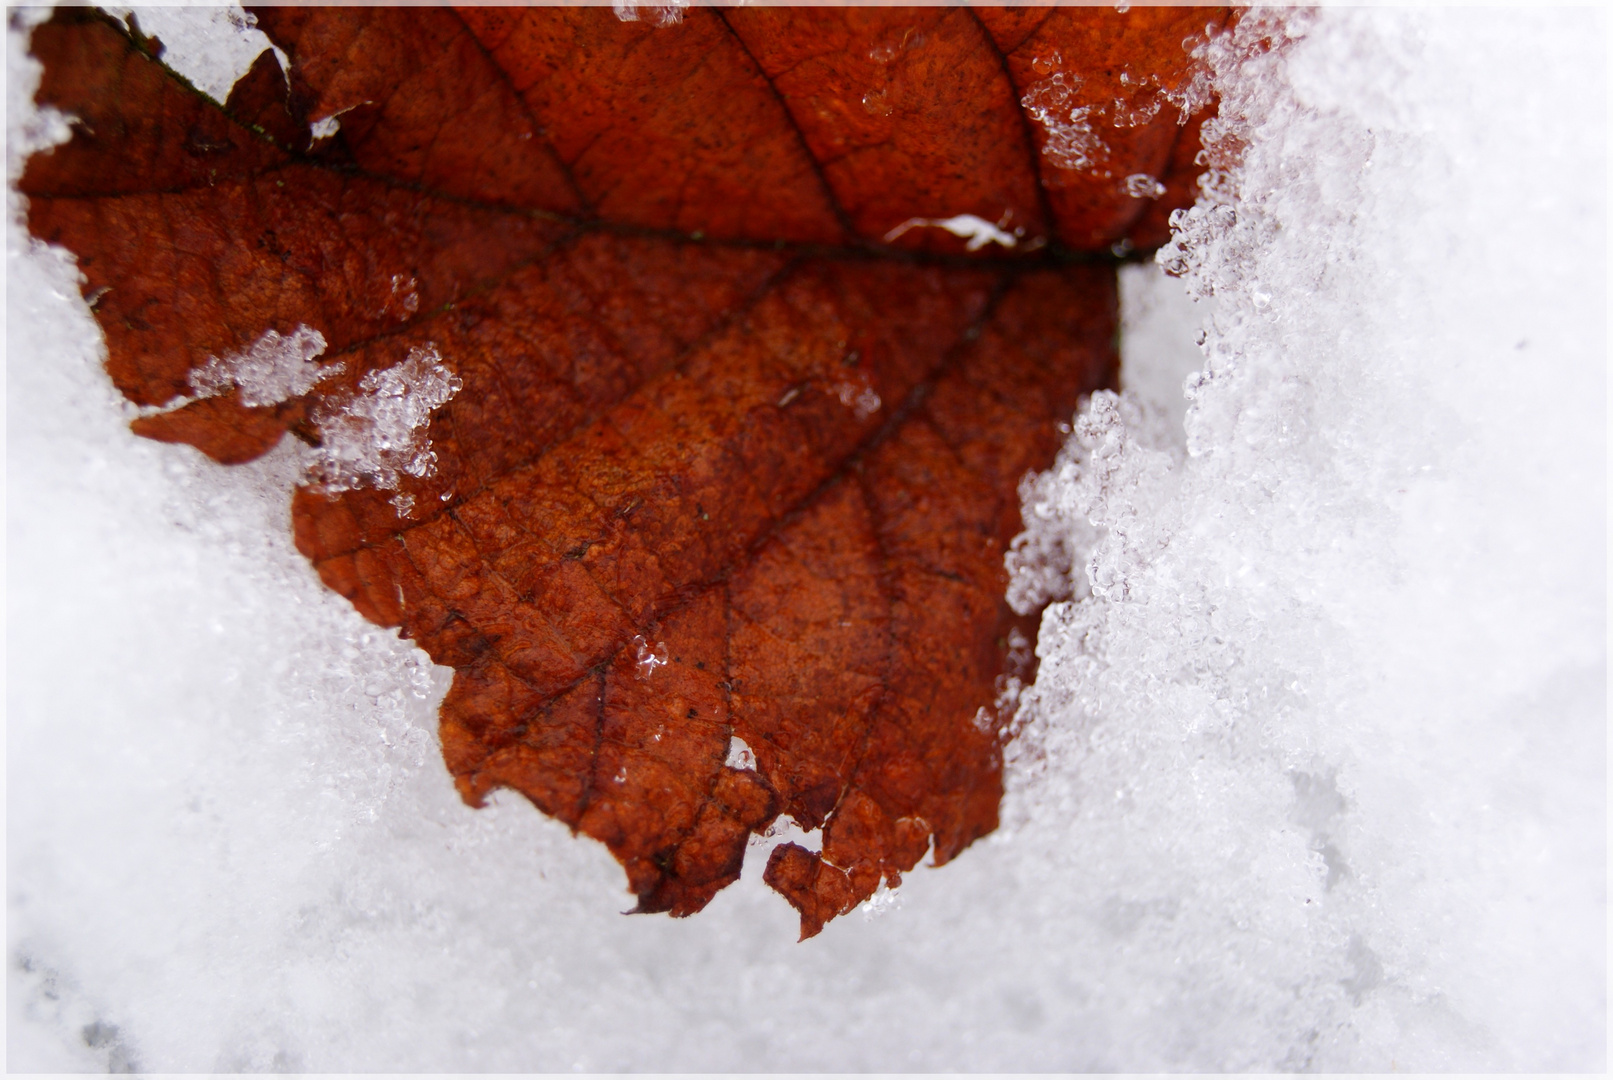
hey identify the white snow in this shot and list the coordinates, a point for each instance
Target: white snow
(212, 45)
(1328, 703)
(1313, 776)
(324, 128)
(977, 230)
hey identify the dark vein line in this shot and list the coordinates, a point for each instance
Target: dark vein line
(679, 361)
(1039, 180)
(1032, 32)
(876, 707)
(539, 131)
(1053, 252)
(450, 507)
(789, 115)
(681, 597)
(591, 783)
(912, 408)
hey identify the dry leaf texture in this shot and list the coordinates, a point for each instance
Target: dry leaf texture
(672, 383)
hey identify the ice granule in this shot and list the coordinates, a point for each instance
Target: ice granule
(377, 436)
(885, 899)
(1070, 123)
(1143, 186)
(859, 396)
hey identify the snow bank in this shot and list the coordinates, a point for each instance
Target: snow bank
(1313, 775)
(1328, 704)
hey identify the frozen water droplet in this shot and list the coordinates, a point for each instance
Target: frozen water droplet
(647, 657)
(404, 300)
(877, 102)
(884, 54)
(859, 397)
(739, 755)
(1070, 142)
(1143, 186)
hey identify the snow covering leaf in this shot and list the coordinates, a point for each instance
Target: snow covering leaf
(669, 378)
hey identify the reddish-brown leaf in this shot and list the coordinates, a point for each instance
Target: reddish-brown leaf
(739, 428)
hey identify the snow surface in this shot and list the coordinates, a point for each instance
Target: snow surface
(1314, 774)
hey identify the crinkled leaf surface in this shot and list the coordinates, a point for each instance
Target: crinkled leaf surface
(738, 424)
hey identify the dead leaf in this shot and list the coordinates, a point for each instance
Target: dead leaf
(670, 382)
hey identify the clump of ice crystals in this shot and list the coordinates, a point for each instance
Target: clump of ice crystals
(273, 369)
(662, 15)
(1071, 143)
(1318, 782)
(377, 436)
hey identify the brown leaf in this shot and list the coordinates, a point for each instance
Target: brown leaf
(728, 427)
